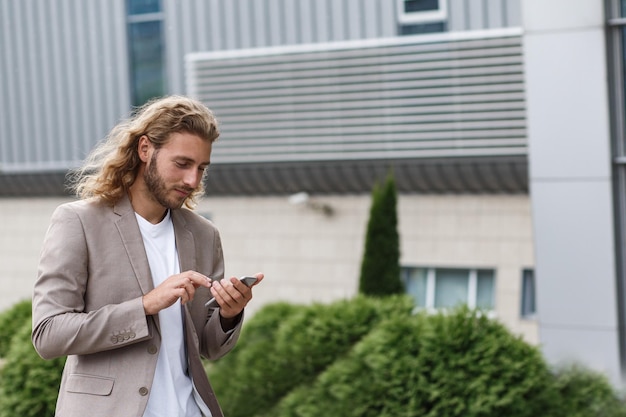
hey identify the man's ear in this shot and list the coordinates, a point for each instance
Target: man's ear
(144, 148)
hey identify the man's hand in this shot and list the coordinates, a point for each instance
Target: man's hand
(177, 286)
(233, 295)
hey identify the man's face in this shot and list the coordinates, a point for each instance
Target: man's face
(175, 170)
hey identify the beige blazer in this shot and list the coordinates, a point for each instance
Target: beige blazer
(87, 305)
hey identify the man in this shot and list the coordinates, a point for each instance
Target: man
(125, 273)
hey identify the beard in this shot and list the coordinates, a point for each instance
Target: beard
(157, 187)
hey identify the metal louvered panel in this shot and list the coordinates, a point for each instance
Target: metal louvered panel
(450, 95)
(63, 80)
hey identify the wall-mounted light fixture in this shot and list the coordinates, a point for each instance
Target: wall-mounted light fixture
(304, 199)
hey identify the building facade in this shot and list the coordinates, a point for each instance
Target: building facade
(495, 117)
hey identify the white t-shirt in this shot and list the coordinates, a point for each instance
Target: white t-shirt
(172, 388)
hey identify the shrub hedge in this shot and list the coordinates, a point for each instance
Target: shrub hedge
(29, 385)
(401, 364)
(361, 357)
(296, 348)
(10, 321)
(584, 393)
(430, 366)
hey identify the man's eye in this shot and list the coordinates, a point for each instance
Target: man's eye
(181, 164)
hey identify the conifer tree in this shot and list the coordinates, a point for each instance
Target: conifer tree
(380, 267)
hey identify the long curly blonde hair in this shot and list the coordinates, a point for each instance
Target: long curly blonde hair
(112, 166)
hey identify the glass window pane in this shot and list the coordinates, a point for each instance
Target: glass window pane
(528, 292)
(451, 287)
(143, 6)
(415, 284)
(146, 60)
(412, 6)
(485, 289)
(422, 28)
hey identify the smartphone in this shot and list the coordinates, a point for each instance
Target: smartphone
(212, 303)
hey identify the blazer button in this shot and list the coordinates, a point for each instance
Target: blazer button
(143, 391)
(152, 349)
(113, 339)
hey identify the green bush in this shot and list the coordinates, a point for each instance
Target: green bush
(235, 375)
(473, 366)
(29, 385)
(10, 321)
(358, 358)
(584, 393)
(372, 358)
(375, 374)
(461, 364)
(297, 348)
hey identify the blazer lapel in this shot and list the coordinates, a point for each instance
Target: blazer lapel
(133, 243)
(186, 256)
(184, 242)
(196, 368)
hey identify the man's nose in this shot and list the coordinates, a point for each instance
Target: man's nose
(192, 178)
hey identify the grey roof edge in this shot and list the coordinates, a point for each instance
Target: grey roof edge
(470, 175)
(446, 175)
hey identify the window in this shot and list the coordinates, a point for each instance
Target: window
(421, 11)
(146, 50)
(422, 28)
(450, 287)
(528, 293)
(136, 7)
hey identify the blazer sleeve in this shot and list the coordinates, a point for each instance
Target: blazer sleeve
(61, 324)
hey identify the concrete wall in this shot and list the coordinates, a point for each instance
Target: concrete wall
(310, 257)
(570, 181)
(22, 229)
